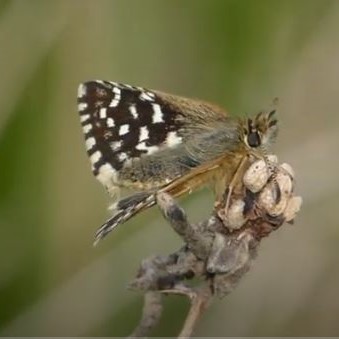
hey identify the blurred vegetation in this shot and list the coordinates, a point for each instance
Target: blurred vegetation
(238, 53)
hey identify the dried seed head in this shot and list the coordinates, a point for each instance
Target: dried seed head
(288, 169)
(235, 217)
(285, 182)
(273, 195)
(228, 255)
(293, 207)
(271, 200)
(272, 158)
(256, 176)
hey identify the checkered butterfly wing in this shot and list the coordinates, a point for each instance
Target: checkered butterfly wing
(136, 137)
(145, 140)
(122, 123)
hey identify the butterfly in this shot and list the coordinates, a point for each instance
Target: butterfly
(151, 141)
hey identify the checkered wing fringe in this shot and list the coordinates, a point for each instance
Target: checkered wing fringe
(124, 210)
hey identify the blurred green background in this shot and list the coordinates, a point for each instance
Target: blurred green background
(238, 53)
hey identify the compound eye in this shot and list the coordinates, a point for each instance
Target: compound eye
(253, 139)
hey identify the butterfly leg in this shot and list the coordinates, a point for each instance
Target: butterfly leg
(233, 183)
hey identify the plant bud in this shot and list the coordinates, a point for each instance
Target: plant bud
(271, 200)
(292, 208)
(235, 217)
(256, 176)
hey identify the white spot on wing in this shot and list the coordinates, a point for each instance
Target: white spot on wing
(143, 133)
(103, 113)
(133, 111)
(82, 106)
(144, 96)
(117, 90)
(87, 128)
(106, 168)
(117, 97)
(173, 139)
(116, 145)
(107, 175)
(157, 114)
(110, 122)
(100, 82)
(81, 90)
(123, 129)
(143, 147)
(122, 156)
(152, 95)
(114, 102)
(90, 143)
(84, 117)
(95, 157)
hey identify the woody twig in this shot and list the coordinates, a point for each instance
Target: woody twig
(217, 252)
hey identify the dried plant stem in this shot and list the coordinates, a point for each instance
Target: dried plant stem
(151, 314)
(199, 304)
(218, 251)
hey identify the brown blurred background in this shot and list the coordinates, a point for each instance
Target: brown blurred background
(238, 53)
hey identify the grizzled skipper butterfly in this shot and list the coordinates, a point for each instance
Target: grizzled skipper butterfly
(152, 141)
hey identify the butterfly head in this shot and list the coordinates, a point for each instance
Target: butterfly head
(260, 132)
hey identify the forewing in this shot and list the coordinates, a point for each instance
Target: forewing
(123, 124)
